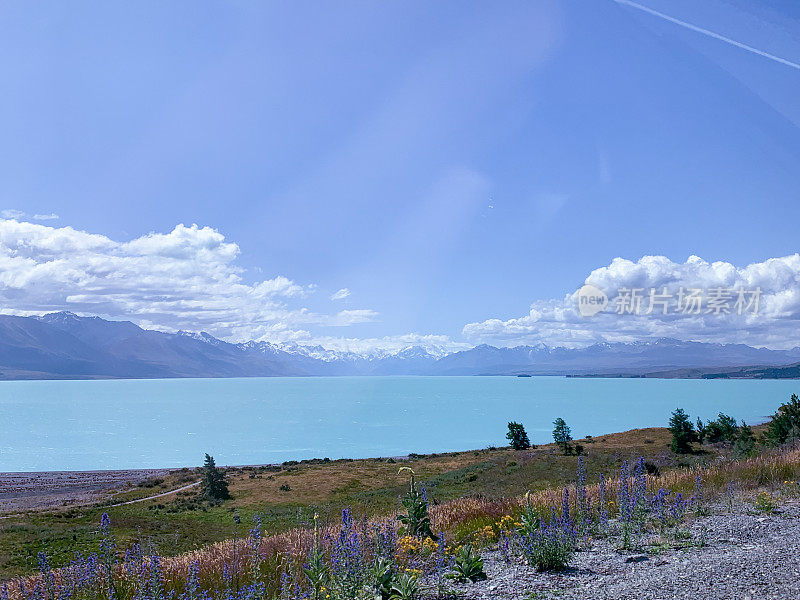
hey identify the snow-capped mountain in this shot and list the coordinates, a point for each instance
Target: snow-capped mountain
(64, 345)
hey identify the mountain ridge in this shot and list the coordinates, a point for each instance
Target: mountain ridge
(63, 345)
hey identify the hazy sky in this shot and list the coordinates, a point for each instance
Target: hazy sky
(397, 171)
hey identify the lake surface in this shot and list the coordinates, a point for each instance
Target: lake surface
(120, 424)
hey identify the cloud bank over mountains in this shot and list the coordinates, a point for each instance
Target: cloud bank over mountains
(773, 322)
(186, 279)
(189, 279)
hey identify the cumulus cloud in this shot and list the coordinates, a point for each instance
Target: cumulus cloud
(185, 279)
(773, 324)
(341, 294)
(45, 217)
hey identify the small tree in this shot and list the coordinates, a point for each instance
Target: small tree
(701, 431)
(683, 433)
(745, 442)
(724, 429)
(518, 436)
(214, 487)
(562, 435)
(785, 422)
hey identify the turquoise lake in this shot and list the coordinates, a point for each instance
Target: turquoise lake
(120, 424)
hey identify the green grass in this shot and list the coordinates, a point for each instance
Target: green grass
(369, 486)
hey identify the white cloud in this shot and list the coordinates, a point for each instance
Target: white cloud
(13, 213)
(46, 217)
(185, 279)
(557, 322)
(350, 317)
(436, 344)
(341, 294)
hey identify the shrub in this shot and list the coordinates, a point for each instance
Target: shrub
(745, 444)
(549, 547)
(518, 436)
(214, 486)
(683, 433)
(701, 431)
(785, 422)
(562, 435)
(764, 503)
(724, 429)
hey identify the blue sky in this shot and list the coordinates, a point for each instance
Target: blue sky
(447, 163)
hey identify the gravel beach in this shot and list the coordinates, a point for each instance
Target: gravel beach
(55, 489)
(747, 557)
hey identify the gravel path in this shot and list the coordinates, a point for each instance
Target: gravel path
(748, 557)
(161, 495)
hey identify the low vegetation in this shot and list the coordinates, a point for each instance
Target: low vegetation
(420, 547)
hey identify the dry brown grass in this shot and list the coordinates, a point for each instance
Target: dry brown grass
(315, 483)
(319, 482)
(768, 470)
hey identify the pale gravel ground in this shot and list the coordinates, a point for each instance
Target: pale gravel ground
(748, 557)
(55, 489)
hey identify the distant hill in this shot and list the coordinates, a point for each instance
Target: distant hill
(65, 346)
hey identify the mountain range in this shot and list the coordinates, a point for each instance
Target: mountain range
(63, 345)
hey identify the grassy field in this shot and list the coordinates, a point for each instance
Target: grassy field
(288, 495)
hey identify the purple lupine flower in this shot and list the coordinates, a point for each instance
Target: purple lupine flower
(660, 502)
(192, 582)
(44, 563)
(640, 483)
(678, 507)
(156, 583)
(108, 544)
(623, 493)
(697, 498)
(603, 501)
(386, 542)
(565, 507)
(286, 584)
(347, 554)
(442, 559)
(254, 541)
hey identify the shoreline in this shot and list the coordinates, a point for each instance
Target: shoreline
(62, 489)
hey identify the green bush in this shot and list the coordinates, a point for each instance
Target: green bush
(518, 436)
(785, 423)
(745, 444)
(548, 548)
(213, 486)
(683, 432)
(724, 429)
(562, 435)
